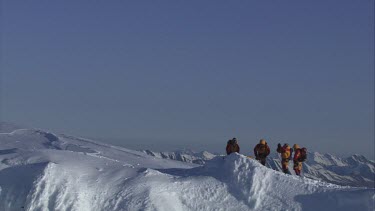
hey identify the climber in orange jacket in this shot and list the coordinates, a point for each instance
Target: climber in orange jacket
(286, 153)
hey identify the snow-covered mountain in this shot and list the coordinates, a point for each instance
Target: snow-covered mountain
(40, 170)
(6, 127)
(188, 156)
(357, 170)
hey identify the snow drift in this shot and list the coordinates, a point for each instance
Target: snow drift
(43, 171)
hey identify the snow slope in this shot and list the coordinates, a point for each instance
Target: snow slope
(43, 171)
(356, 171)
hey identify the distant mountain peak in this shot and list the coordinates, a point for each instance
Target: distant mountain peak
(7, 127)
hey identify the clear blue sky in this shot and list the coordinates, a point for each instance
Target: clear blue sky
(174, 74)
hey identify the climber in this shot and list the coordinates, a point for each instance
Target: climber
(285, 152)
(232, 146)
(261, 151)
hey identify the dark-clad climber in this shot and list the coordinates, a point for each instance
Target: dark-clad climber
(232, 146)
(300, 155)
(261, 151)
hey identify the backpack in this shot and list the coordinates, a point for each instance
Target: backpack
(303, 156)
(262, 149)
(232, 146)
(232, 142)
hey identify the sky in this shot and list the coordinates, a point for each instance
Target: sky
(174, 74)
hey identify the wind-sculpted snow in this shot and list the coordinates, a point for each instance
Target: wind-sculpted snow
(256, 187)
(355, 171)
(79, 174)
(15, 184)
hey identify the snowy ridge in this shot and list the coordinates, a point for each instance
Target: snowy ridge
(44, 171)
(355, 171)
(188, 156)
(6, 127)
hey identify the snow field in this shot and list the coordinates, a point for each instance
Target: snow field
(42, 171)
